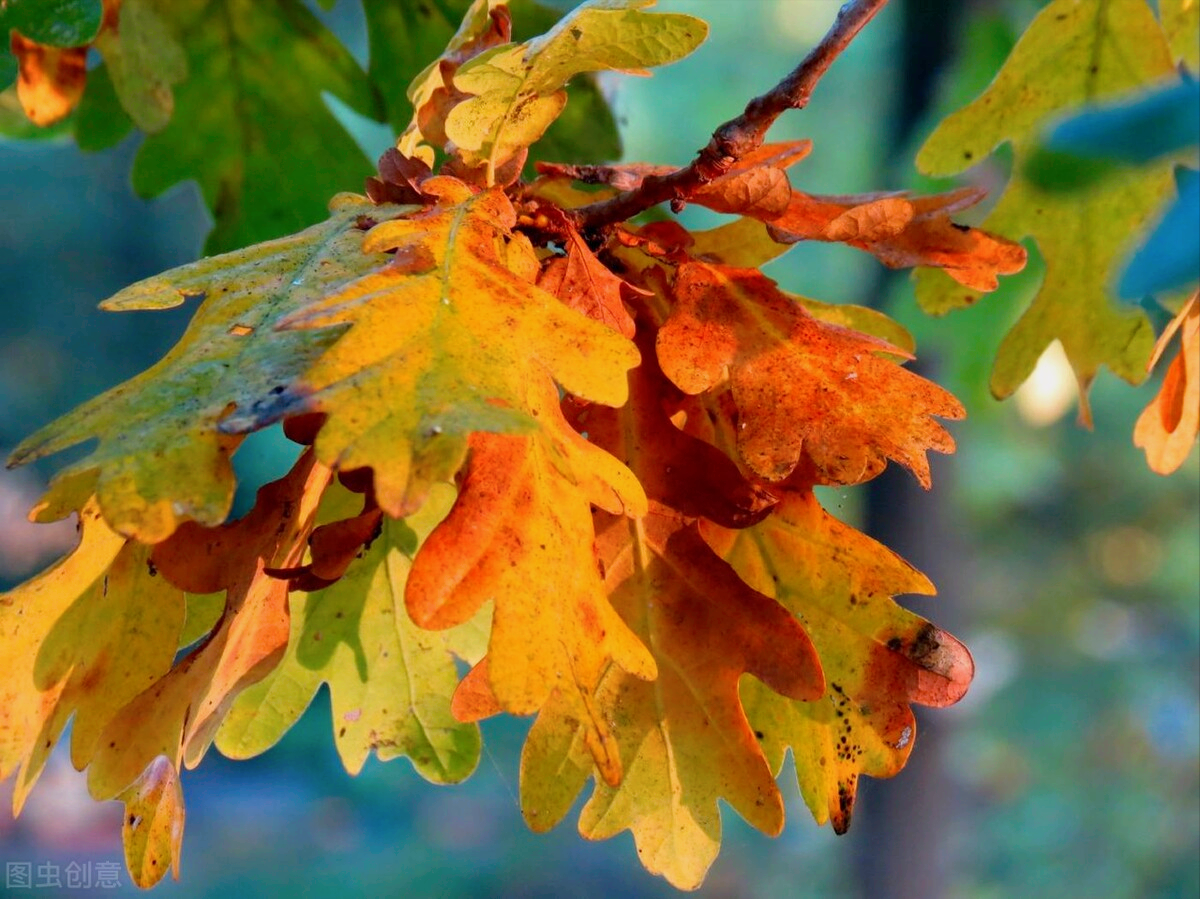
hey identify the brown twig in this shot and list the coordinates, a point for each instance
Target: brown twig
(739, 136)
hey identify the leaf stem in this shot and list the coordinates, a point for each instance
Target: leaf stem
(739, 136)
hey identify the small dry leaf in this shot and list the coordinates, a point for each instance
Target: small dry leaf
(586, 284)
(50, 80)
(1167, 428)
(903, 233)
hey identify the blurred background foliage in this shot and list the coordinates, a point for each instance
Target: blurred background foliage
(1072, 768)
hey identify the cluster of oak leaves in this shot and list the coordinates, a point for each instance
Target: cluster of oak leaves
(634, 418)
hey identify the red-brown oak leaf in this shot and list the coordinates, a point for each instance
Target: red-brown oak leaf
(802, 388)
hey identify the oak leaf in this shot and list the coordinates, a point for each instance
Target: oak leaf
(878, 658)
(152, 829)
(520, 533)
(144, 59)
(431, 94)
(1181, 23)
(178, 715)
(390, 682)
(444, 343)
(683, 739)
(587, 285)
(39, 694)
(50, 80)
(517, 90)
(802, 388)
(1074, 52)
(166, 435)
(265, 150)
(903, 232)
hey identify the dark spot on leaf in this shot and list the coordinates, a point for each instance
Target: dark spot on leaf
(958, 227)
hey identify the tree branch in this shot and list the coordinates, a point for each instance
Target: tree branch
(739, 136)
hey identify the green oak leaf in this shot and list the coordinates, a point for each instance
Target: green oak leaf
(8, 68)
(390, 682)
(1074, 52)
(100, 120)
(262, 145)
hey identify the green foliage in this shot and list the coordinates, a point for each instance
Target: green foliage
(1073, 53)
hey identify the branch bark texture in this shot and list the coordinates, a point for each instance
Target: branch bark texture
(739, 136)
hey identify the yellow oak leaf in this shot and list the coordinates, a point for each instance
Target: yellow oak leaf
(1181, 23)
(152, 830)
(30, 715)
(517, 90)
(520, 533)
(484, 25)
(445, 342)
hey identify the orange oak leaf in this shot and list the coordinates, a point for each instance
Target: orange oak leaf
(520, 533)
(178, 715)
(878, 658)
(903, 232)
(444, 342)
(333, 546)
(1168, 426)
(756, 185)
(802, 388)
(50, 80)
